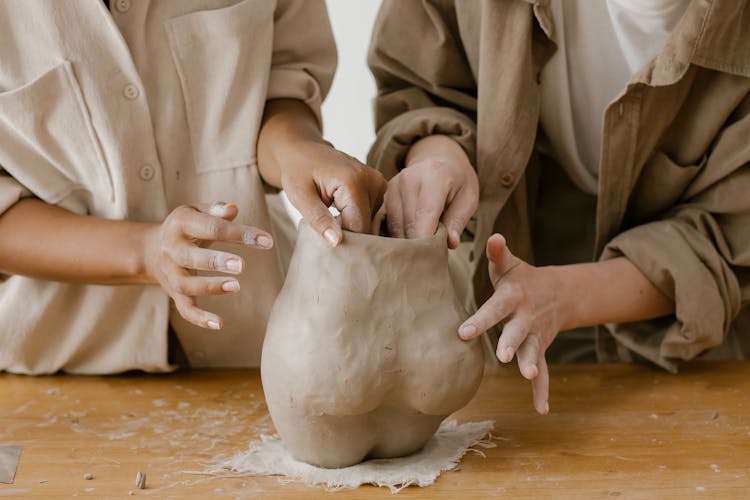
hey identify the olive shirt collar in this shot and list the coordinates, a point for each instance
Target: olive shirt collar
(710, 34)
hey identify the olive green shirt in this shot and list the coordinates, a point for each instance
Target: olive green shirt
(674, 183)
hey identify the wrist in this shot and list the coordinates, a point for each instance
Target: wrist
(568, 287)
(146, 237)
(437, 147)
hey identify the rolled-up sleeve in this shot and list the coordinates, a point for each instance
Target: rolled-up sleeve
(11, 191)
(698, 255)
(425, 84)
(304, 53)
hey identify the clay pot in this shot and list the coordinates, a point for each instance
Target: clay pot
(361, 357)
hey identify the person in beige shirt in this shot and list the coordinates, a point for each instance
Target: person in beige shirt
(136, 146)
(658, 253)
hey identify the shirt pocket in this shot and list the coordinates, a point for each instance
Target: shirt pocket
(223, 59)
(662, 184)
(47, 140)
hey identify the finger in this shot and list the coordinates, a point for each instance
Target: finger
(513, 335)
(540, 387)
(497, 308)
(528, 356)
(458, 213)
(190, 312)
(377, 221)
(378, 185)
(201, 226)
(429, 207)
(355, 207)
(227, 211)
(307, 200)
(496, 247)
(500, 258)
(410, 192)
(202, 259)
(199, 286)
(394, 209)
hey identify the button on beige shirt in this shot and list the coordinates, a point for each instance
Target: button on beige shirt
(127, 115)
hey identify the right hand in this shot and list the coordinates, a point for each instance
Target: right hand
(176, 248)
(437, 185)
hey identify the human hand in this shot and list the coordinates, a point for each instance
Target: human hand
(527, 300)
(437, 185)
(177, 247)
(315, 176)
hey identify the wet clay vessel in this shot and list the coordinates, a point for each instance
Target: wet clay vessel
(361, 357)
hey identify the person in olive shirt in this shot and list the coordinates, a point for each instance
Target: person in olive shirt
(617, 131)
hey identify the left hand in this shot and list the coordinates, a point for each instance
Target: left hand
(527, 301)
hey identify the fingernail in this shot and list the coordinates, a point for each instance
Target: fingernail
(455, 237)
(546, 407)
(231, 286)
(217, 208)
(234, 265)
(507, 355)
(467, 330)
(264, 241)
(213, 325)
(331, 236)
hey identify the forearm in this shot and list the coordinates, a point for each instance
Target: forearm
(285, 123)
(436, 147)
(610, 291)
(47, 242)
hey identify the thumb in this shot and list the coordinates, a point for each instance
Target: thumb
(227, 211)
(315, 212)
(499, 256)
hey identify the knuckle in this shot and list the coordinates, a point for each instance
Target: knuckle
(164, 252)
(433, 165)
(318, 219)
(449, 185)
(180, 288)
(172, 223)
(212, 228)
(212, 261)
(185, 257)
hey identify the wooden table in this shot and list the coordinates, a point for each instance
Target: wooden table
(614, 430)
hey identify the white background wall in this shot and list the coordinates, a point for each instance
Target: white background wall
(347, 113)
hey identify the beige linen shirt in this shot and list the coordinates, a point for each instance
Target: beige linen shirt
(674, 185)
(127, 115)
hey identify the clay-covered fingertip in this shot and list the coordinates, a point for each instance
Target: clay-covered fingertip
(467, 331)
(220, 208)
(264, 241)
(505, 354)
(453, 239)
(530, 372)
(332, 237)
(544, 410)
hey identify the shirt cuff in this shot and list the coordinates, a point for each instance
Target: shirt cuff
(684, 265)
(285, 83)
(396, 137)
(11, 192)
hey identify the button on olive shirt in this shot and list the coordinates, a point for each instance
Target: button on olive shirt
(674, 180)
(127, 115)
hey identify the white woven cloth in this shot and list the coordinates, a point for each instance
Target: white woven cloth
(443, 452)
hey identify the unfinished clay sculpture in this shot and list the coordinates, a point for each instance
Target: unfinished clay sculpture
(361, 357)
